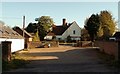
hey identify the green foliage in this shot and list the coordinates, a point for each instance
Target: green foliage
(100, 26)
(84, 35)
(36, 37)
(46, 22)
(92, 25)
(42, 32)
(43, 26)
(31, 28)
(108, 24)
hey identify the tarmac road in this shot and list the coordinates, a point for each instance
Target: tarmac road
(63, 59)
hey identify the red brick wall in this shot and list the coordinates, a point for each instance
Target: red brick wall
(109, 47)
(34, 44)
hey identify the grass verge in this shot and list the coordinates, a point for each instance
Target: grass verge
(14, 63)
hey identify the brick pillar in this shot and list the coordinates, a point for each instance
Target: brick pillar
(6, 50)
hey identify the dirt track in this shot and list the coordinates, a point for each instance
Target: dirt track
(63, 59)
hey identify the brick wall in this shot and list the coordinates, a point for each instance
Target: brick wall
(109, 47)
(84, 44)
(34, 44)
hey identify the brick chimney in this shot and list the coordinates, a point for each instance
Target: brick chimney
(64, 22)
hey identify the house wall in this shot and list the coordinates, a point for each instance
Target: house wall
(17, 44)
(59, 37)
(70, 30)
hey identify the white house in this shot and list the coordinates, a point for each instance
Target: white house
(65, 30)
(7, 34)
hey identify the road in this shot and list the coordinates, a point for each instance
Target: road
(63, 59)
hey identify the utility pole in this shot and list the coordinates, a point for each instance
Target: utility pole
(23, 24)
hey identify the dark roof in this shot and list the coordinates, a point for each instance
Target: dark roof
(59, 30)
(7, 32)
(20, 31)
(117, 35)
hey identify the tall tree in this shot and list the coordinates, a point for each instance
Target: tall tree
(36, 37)
(31, 28)
(108, 25)
(43, 25)
(46, 22)
(84, 35)
(42, 32)
(92, 25)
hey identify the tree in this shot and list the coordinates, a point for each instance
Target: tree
(31, 28)
(92, 25)
(42, 32)
(84, 35)
(36, 37)
(46, 22)
(108, 25)
(43, 26)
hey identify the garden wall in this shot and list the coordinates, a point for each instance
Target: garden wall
(33, 44)
(109, 47)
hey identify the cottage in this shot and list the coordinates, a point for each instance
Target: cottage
(8, 34)
(27, 36)
(63, 31)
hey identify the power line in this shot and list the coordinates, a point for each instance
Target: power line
(10, 18)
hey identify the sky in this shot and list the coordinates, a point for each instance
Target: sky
(12, 12)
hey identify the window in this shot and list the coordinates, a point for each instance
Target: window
(73, 31)
(59, 38)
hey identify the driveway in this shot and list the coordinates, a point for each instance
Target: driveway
(63, 59)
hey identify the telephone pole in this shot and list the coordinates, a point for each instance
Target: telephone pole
(23, 24)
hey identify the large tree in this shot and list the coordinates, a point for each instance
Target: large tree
(108, 25)
(84, 35)
(42, 26)
(31, 28)
(92, 25)
(46, 22)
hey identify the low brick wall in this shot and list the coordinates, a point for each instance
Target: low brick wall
(33, 44)
(109, 47)
(54, 43)
(84, 44)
